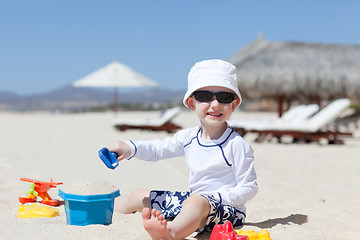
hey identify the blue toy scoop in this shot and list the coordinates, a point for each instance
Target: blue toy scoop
(109, 158)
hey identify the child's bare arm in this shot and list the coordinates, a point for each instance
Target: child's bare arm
(121, 148)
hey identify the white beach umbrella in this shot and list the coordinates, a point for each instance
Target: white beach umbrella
(115, 75)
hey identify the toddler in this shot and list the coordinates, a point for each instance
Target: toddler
(221, 163)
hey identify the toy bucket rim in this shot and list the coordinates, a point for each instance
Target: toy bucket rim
(87, 198)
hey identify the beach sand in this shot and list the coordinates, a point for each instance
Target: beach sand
(306, 191)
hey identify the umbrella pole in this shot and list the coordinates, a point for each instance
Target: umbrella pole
(116, 100)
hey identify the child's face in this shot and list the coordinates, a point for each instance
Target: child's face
(212, 113)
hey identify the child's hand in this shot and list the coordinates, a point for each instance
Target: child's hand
(121, 148)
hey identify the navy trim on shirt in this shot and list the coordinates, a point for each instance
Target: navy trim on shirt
(215, 145)
(135, 150)
(220, 198)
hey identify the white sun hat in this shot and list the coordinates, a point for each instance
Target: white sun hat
(214, 72)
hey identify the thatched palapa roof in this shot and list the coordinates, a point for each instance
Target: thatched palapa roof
(294, 70)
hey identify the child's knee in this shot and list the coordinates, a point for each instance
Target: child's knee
(140, 195)
(134, 202)
(198, 201)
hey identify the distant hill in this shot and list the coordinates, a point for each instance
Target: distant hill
(69, 98)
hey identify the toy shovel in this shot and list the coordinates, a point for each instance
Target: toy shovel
(109, 158)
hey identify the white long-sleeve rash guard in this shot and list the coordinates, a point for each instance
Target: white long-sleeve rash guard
(223, 168)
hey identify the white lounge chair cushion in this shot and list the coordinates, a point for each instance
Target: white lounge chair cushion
(166, 116)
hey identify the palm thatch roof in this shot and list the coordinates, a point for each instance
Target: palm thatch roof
(295, 70)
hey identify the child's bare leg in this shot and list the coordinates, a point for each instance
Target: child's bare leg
(135, 202)
(193, 215)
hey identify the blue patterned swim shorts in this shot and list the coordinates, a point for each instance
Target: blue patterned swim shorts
(169, 203)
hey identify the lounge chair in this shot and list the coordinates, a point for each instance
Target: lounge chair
(352, 120)
(309, 130)
(293, 115)
(163, 123)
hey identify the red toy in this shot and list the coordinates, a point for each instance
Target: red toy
(226, 232)
(39, 188)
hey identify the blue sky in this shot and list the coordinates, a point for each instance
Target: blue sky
(45, 45)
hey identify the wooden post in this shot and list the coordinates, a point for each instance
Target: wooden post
(280, 100)
(318, 101)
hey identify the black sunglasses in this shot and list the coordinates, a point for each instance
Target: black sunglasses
(221, 97)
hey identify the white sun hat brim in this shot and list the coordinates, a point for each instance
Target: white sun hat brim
(213, 72)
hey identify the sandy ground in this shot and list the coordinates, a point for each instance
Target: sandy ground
(307, 191)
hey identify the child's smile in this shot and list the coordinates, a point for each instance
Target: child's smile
(215, 115)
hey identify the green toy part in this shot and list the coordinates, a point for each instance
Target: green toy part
(32, 190)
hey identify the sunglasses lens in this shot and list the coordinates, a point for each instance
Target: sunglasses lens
(203, 96)
(225, 97)
(221, 97)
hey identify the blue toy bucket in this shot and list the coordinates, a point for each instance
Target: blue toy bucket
(83, 210)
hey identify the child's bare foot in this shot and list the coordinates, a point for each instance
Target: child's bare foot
(155, 224)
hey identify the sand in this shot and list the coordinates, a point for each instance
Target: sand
(307, 191)
(89, 187)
